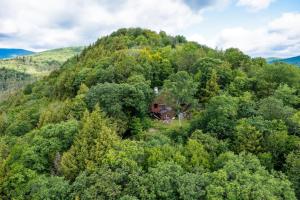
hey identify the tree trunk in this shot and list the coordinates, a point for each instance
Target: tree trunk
(179, 120)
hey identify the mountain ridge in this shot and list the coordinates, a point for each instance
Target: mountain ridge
(6, 53)
(292, 60)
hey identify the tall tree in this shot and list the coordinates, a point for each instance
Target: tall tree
(89, 148)
(182, 89)
(211, 87)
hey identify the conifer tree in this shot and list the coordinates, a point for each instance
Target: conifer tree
(212, 87)
(92, 143)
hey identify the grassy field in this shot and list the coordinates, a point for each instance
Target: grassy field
(41, 64)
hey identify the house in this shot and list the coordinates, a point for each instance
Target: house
(162, 111)
(160, 108)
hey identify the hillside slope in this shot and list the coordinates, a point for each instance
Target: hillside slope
(12, 80)
(41, 64)
(6, 53)
(33, 67)
(86, 131)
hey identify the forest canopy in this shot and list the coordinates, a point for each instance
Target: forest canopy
(86, 130)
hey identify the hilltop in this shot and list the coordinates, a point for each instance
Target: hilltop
(86, 131)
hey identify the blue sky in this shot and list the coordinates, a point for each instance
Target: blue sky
(258, 27)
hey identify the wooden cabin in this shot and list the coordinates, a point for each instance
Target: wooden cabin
(162, 111)
(160, 108)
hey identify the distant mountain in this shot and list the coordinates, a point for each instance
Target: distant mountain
(292, 60)
(12, 53)
(272, 59)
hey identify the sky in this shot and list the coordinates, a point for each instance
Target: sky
(265, 28)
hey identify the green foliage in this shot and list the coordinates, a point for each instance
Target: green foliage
(247, 138)
(161, 182)
(11, 79)
(295, 123)
(287, 95)
(211, 144)
(49, 188)
(86, 130)
(219, 116)
(236, 58)
(198, 157)
(181, 88)
(121, 100)
(102, 184)
(272, 108)
(293, 170)
(271, 76)
(90, 146)
(211, 87)
(243, 178)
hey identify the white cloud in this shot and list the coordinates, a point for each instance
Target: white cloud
(280, 37)
(255, 5)
(38, 25)
(288, 24)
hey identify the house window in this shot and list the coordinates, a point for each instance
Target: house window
(155, 105)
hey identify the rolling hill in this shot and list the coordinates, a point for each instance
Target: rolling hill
(19, 71)
(41, 64)
(11, 53)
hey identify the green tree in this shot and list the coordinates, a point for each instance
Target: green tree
(242, 177)
(182, 89)
(90, 146)
(187, 54)
(211, 87)
(295, 123)
(247, 138)
(14, 181)
(198, 157)
(272, 108)
(293, 170)
(287, 95)
(219, 117)
(161, 182)
(236, 58)
(101, 184)
(49, 188)
(211, 144)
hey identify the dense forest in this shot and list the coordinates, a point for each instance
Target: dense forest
(86, 131)
(11, 80)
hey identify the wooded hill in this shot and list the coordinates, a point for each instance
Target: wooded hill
(86, 132)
